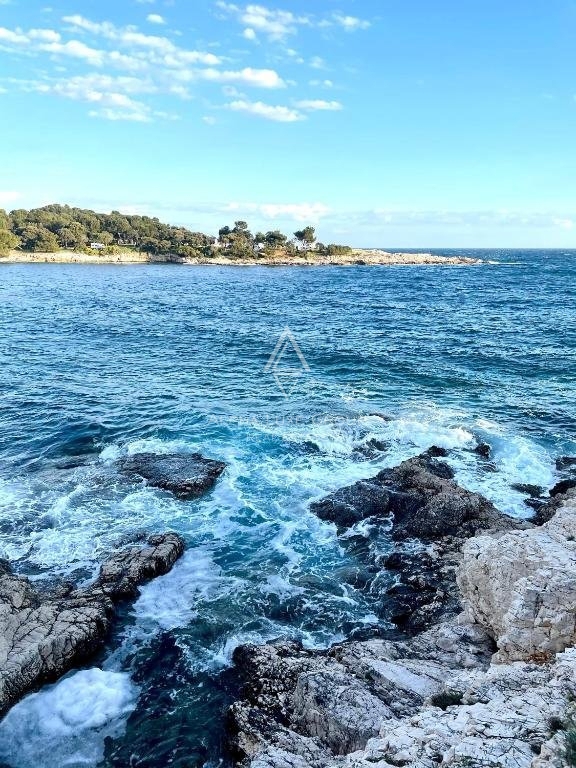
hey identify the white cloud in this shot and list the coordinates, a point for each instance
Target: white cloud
(565, 223)
(273, 24)
(258, 78)
(321, 83)
(77, 50)
(209, 120)
(350, 23)
(278, 114)
(155, 18)
(8, 196)
(47, 35)
(249, 34)
(121, 62)
(319, 105)
(156, 46)
(293, 211)
(8, 36)
(277, 24)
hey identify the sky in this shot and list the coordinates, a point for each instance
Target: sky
(383, 123)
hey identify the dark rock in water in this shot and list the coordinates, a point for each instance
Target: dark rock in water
(436, 452)
(535, 503)
(425, 592)
(566, 462)
(422, 497)
(371, 449)
(562, 487)
(484, 450)
(546, 511)
(186, 475)
(44, 636)
(422, 501)
(535, 491)
(383, 416)
(347, 506)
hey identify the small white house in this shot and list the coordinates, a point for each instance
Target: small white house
(97, 246)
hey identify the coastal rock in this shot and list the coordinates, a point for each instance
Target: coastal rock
(566, 462)
(42, 637)
(442, 697)
(186, 475)
(562, 487)
(521, 586)
(422, 501)
(504, 720)
(448, 705)
(302, 708)
(421, 496)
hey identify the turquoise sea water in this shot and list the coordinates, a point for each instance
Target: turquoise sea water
(100, 361)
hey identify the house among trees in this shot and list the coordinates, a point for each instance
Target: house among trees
(97, 246)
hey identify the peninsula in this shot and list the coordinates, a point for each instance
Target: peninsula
(62, 234)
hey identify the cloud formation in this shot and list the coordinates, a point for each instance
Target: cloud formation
(104, 64)
(277, 25)
(278, 114)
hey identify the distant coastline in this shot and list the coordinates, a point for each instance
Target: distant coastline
(356, 257)
(60, 234)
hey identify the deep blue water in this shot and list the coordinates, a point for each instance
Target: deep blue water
(99, 361)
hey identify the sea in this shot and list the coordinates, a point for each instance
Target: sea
(302, 380)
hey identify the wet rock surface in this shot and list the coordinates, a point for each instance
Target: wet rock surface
(430, 516)
(453, 694)
(186, 475)
(43, 635)
(421, 496)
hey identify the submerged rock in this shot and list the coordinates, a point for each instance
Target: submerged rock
(186, 475)
(42, 637)
(534, 491)
(484, 450)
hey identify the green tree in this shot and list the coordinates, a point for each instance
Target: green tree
(275, 240)
(39, 239)
(306, 237)
(73, 236)
(8, 241)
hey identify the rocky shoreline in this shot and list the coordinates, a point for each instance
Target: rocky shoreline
(478, 668)
(481, 670)
(358, 257)
(44, 634)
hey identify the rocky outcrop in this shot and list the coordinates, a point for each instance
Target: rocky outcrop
(314, 706)
(43, 636)
(186, 475)
(506, 717)
(431, 515)
(442, 697)
(521, 586)
(421, 496)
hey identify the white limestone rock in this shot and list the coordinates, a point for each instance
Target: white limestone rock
(521, 586)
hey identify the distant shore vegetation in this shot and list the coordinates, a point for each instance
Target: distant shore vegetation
(54, 228)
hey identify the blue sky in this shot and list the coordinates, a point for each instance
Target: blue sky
(381, 122)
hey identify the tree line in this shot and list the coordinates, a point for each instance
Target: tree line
(61, 227)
